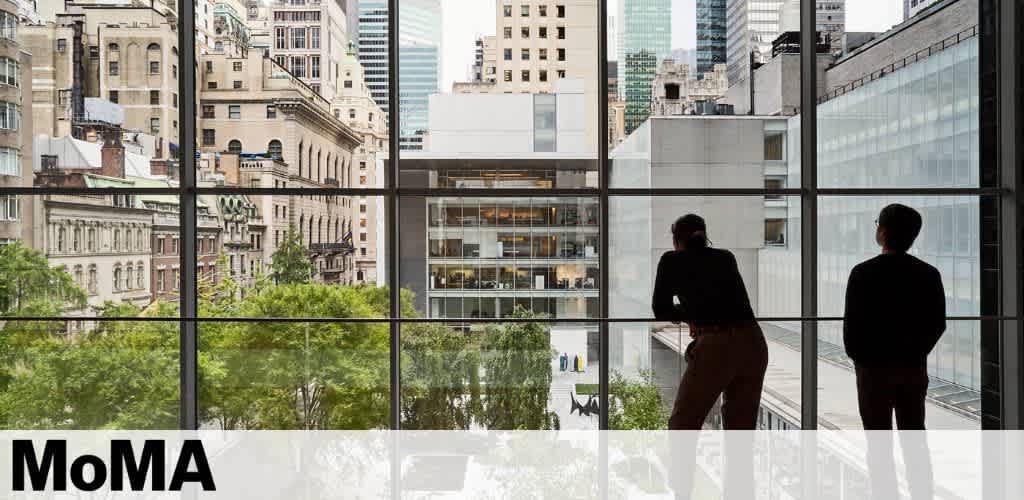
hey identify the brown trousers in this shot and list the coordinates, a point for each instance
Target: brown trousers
(884, 391)
(731, 361)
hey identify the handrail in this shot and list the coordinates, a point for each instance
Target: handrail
(920, 55)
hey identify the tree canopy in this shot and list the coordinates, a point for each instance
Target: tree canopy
(289, 263)
(277, 375)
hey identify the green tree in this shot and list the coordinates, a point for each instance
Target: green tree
(290, 264)
(440, 377)
(517, 375)
(29, 286)
(119, 375)
(636, 404)
(301, 375)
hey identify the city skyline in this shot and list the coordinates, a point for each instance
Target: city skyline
(465, 20)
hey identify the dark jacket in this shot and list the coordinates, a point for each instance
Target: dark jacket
(895, 311)
(708, 285)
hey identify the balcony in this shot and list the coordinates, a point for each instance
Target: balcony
(271, 165)
(329, 248)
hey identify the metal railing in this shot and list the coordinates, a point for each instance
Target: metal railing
(918, 56)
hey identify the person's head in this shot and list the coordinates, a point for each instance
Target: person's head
(898, 227)
(689, 233)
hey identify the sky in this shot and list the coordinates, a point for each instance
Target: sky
(464, 20)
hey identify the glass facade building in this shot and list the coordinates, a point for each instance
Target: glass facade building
(645, 38)
(751, 26)
(419, 56)
(914, 127)
(711, 34)
(486, 257)
(373, 49)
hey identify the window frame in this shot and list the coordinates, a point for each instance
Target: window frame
(1005, 192)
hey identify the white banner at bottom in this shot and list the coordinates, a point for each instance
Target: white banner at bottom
(515, 464)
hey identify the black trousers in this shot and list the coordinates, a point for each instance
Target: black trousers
(885, 391)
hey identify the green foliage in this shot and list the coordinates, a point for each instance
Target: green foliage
(121, 375)
(440, 377)
(329, 375)
(252, 375)
(290, 263)
(29, 286)
(517, 375)
(636, 403)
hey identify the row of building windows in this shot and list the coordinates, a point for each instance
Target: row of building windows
(542, 32)
(161, 277)
(524, 75)
(114, 68)
(542, 54)
(161, 245)
(114, 96)
(297, 16)
(297, 38)
(120, 240)
(129, 278)
(542, 10)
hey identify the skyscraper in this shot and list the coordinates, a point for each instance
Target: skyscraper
(711, 34)
(372, 43)
(419, 60)
(751, 26)
(645, 38)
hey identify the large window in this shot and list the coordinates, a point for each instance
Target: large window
(436, 248)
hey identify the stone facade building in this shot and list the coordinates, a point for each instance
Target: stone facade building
(675, 90)
(15, 126)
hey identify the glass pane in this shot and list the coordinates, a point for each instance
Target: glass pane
(950, 240)
(762, 233)
(647, 361)
(523, 117)
(702, 94)
(293, 376)
(89, 375)
(466, 257)
(90, 97)
(90, 254)
(953, 395)
(320, 247)
(901, 108)
(292, 94)
(508, 376)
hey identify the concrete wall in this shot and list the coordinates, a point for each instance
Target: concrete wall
(480, 123)
(695, 151)
(493, 123)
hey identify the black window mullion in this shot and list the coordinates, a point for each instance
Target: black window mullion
(808, 217)
(603, 181)
(391, 183)
(188, 343)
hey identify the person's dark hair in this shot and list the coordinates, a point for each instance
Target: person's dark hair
(691, 231)
(902, 224)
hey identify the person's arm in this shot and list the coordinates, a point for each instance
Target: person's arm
(935, 324)
(661, 302)
(853, 317)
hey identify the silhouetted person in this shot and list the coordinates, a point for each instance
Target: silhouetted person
(728, 354)
(895, 313)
